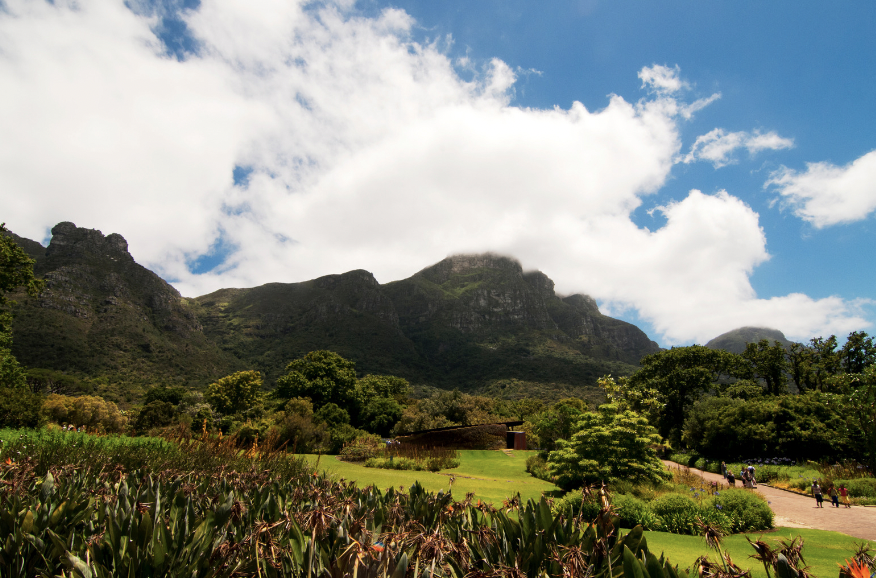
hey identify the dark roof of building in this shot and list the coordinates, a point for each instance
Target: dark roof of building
(510, 424)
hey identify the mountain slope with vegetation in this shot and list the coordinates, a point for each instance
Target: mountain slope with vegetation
(103, 317)
(474, 322)
(735, 341)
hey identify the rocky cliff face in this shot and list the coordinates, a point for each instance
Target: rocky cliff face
(468, 321)
(487, 295)
(102, 313)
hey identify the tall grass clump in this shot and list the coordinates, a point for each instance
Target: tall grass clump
(402, 456)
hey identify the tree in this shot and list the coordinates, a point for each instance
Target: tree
(384, 386)
(558, 422)
(331, 415)
(19, 407)
(380, 415)
(608, 445)
(858, 353)
(16, 268)
(680, 376)
(93, 412)
(236, 393)
(171, 395)
(858, 391)
(768, 363)
(323, 376)
(154, 414)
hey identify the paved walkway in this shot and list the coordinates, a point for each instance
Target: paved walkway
(798, 511)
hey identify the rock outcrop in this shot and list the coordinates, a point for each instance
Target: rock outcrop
(468, 321)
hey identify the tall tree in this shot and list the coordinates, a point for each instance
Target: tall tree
(858, 353)
(235, 393)
(680, 376)
(824, 360)
(859, 393)
(323, 376)
(18, 406)
(767, 363)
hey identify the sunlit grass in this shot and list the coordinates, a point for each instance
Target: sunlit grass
(492, 476)
(822, 550)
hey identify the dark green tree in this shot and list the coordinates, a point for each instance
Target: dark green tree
(858, 353)
(323, 376)
(380, 415)
(16, 268)
(331, 415)
(858, 391)
(19, 407)
(680, 376)
(824, 361)
(154, 414)
(767, 363)
(558, 422)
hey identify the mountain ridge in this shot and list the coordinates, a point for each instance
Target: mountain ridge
(468, 321)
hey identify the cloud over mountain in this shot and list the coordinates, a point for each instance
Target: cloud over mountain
(362, 148)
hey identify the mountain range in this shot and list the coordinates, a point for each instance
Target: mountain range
(475, 322)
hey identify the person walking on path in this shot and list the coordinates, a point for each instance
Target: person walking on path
(844, 492)
(834, 496)
(724, 469)
(819, 497)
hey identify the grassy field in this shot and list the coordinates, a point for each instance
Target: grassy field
(822, 550)
(493, 476)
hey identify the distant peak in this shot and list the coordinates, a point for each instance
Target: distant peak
(67, 237)
(735, 340)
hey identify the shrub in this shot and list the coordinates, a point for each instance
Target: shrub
(537, 466)
(93, 412)
(340, 435)
(573, 503)
(634, 512)
(608, 445)
(362, 448)
(860, 487)
(678, 512)
(747, 510)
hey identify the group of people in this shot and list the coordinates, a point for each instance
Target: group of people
(72, 428)
(832, 491)
(746, 476)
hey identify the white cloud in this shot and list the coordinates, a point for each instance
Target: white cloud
(717, 146)
(662, 79)
(825, 194)
(367, 151)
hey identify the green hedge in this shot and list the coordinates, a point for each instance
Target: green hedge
(747, 511)
(732, 511)
(860, 487)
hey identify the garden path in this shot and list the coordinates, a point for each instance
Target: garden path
(798, 511)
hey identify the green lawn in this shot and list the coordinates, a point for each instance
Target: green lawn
(822, 550)
(492, 476)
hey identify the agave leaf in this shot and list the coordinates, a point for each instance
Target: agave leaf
(632, 566)
(48, 487)
(77, 566)
(27, 523)
(56, 515)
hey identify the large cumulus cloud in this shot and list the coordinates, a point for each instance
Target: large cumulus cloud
(363, 149)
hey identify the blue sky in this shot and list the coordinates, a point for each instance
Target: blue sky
(236, 143)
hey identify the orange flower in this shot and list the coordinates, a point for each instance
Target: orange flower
(854, 570)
